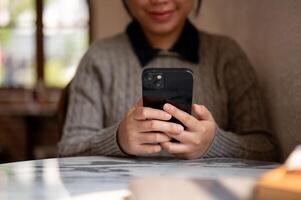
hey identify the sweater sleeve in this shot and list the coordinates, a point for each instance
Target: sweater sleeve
(246, 135)
(84, 132)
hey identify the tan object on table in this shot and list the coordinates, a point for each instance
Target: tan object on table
(283, 182)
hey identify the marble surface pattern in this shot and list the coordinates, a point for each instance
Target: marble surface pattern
(108, 177)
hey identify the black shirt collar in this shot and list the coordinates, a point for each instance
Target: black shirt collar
(187, 45)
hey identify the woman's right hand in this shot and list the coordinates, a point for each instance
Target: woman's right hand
(143, 129)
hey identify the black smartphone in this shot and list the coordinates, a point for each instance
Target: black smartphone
(167, 85)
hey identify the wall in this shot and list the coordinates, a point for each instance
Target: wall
(269, 31)
(108, 18)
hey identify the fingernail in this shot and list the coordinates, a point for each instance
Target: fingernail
(180, 128)
(167, 106)
(164, 106)
(167, 115)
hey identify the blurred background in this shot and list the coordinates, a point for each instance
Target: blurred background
(42, 41)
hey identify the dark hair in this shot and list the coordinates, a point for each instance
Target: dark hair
(198, 7)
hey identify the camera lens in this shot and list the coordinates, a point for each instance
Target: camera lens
(149, 76)
(158, 84)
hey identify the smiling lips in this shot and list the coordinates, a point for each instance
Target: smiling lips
(161, 16)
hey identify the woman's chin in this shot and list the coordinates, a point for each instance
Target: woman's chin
(163, 28)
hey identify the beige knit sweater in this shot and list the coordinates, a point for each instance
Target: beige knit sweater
(108, 83)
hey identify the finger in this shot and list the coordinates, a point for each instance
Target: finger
(202, 112)
(153, 138)
(188, 120)
(160, 126)
(148, 149)
(175, 148)
(143, 113)
(185, 137)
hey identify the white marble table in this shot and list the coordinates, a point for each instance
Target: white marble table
(108, 177)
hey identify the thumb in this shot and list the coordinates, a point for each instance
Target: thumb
(139, 103)
(202, 112)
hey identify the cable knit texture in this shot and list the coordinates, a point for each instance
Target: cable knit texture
(108, 84)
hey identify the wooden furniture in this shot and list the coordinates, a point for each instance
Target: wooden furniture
(28, 118)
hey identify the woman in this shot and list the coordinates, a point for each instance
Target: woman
(103, 119)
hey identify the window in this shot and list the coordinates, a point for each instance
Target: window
(41, 41)
(17, 43)
(66, 39)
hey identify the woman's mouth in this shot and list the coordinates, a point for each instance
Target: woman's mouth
(161, 16)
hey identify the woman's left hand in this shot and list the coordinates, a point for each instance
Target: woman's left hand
(198, 136)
